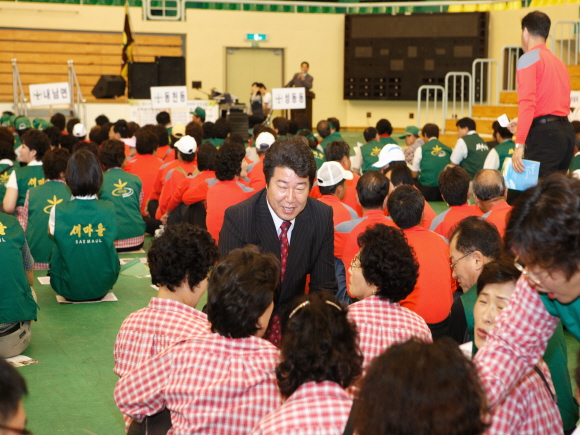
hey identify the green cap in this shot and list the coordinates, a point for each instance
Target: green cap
(40, 124)
(198, 112)
(21, 123)
(6, 120)
(410, 130)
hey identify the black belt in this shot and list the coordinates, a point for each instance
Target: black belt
(548, 118)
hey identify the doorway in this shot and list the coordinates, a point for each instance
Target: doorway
(245, 66)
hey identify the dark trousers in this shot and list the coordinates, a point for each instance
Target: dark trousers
(158, 424)
(195, 214)
(551, 144)
(430, 193)
(151, 224)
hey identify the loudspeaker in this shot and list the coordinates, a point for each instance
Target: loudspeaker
(239, 124)
(171, 70)
(142, 75)
(109, 86)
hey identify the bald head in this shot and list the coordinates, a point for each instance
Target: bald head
(489, 186)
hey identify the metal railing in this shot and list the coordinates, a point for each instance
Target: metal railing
(432, 103)
(78, 103)
(20, 100)
(482, 74)
(565, 41)
(509, 63)
(461, 81)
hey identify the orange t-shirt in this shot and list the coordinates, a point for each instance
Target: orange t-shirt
(256, 174)
(186, 184)
(188, 167)
(498, 215)
(340, 211)
(445, 223)
(146, 167)
(220, 196)
(172, 181)
(350, 197)
(432, 296)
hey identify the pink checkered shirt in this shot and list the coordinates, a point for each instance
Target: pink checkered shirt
(514, 347)
(382, 323)
(210, 383)
(314, 409)
(529, 409)
(151, 330)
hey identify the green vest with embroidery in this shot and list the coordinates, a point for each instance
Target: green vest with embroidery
(215, 142)
(5, 171)
(123, 190)
(575, 163)
(41, 200)
(477, 151)
(84, 263)
(388, 140)
(318, 158)
(370, 155)
(28, 177)
(504, 150)
(17, 303)
(331, 137)
(435, 156)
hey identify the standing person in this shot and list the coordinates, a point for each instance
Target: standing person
(84, 263)
(260, 103)
(543, 129)
(302, 79)
(284, 220)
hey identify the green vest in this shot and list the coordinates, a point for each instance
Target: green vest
(370, 155)
(17, 301)
(4, 176)
(504, 150)
(318, 158)
(123, 190)
(27, 177)
(555, 357)
(435, 156)
(40, 202)
(84, 263)
(477, 151)
(331, 137)
(575, 163)
(215, 142)
(388, 140)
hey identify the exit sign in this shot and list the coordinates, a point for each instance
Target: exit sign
(255, 37)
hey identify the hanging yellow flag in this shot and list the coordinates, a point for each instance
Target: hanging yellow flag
(128, 44)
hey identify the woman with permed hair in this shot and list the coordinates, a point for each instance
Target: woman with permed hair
(382, 274)
(319, 359)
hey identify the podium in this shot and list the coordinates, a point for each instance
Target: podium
(308, 111)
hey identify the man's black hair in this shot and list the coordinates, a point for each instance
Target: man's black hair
(406, 205)
(163, 118)
(537, 23)
(384, 127)
(372, 188)
(13, 388)
(454, 185)
(466, 122)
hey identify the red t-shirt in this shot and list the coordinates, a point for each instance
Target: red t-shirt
(341, 212)
(185, 185)
(146, 167)
(220, 196)
(166, 153)
(188, 167)
(172, 181)
(350, 197)
(498, 215)
(432, 296)
(256, 174)
(445, 223)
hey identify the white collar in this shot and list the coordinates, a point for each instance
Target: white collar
(6, 162)
(276, 218)
(85, 197)
(35, 163)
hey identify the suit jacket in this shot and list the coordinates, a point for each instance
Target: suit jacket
(311, 244)
(297, 82)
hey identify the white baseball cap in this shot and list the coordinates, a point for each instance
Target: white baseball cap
(389, 153)
(186, 145)
(264, 141)
(331, 173)
(79, 130)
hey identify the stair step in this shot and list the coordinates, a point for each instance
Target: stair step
(493, 112)
(574, 70)
(508, 97)
(575, 83)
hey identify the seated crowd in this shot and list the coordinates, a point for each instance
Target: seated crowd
(332, 286)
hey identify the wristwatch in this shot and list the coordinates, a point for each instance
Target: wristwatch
(519, 145)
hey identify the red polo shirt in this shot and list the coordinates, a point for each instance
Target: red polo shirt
(172, 181)
(341, 212)
(185, 185)
(432, 296)
(256, 174)
(444, 224)
(188, 167)
(220, 196)
(146, 167)
(498, 215)
(543, 88)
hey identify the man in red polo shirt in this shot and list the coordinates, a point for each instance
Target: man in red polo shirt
(432, 296)
(454, 187)
(490, 194)
(543, 129)
(331, 181)
(372, 191)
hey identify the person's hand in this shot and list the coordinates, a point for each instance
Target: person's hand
(513, 126)
(517, 160)
(164, 218)
(301, 76)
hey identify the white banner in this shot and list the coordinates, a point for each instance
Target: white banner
(49, 94)
(142, 112)
(168, 97)
(288, 98)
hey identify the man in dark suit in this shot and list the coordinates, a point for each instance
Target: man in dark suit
(289, 168)
(301, 79)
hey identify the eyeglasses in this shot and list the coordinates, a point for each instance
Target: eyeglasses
(353, 263)
(18, 431)
(529, 275)
(454, 264)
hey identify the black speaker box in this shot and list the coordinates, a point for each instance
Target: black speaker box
(171, 70)
(142, 75)
(109, 86)
(239, 124)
